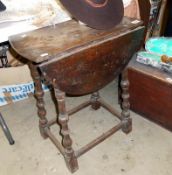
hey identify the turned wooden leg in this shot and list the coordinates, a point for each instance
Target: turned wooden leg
(69, 155)
(95, 104)
(127, 122)
(39, 93)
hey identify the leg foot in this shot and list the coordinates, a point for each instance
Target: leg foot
(95, 104)
(43, 132)
(71, 163)
(127, 126)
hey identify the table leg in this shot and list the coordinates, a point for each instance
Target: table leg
(127, 121)
(39, 93)
(95, 104)
(63, 119)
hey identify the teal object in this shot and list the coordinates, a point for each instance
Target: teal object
(150, 56)
(149, 59)
(159, 46)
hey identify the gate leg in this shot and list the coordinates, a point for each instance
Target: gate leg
(63, 118)
(127, 121)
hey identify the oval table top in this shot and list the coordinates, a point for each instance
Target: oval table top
(56, 41)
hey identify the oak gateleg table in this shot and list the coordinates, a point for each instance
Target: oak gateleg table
(78, 60)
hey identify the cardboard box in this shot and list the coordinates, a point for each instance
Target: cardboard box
(16, 82)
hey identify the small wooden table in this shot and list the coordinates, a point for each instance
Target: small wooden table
(78, 60)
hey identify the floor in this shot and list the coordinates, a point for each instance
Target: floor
(147, 150)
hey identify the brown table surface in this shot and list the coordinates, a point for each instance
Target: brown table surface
(61, 39)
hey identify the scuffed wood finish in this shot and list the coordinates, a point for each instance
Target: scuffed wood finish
(96, 65)
(151, 93)
(125, 103)
(61, 40)
(79, 60)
